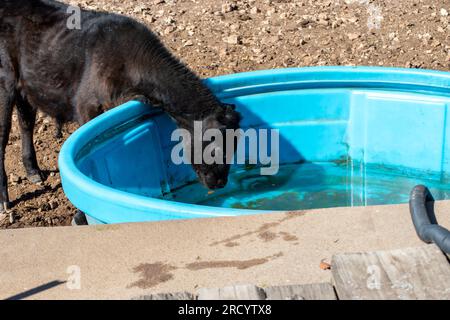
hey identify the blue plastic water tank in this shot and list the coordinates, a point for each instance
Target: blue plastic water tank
(117, 166)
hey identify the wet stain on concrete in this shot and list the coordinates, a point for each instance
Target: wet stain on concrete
(267, 226)
(267, 236)
(288, 237)
(152, 274)
(231, 244)
(263, 232)
(238, 264)
(233, 238)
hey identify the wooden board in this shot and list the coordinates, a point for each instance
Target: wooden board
(239, 292)
(413, 273)
(318, 291)
(322, 291)
(167, 296)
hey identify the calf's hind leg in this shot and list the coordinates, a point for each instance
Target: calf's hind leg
(27, 119)
(7, 95)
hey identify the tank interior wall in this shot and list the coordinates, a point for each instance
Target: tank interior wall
(390, 128)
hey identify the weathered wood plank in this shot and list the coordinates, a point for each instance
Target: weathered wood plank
(317, 291)
(167, 296)
(413, 273)
(238, 292)
(321, 291)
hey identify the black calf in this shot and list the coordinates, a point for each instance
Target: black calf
(74, 75)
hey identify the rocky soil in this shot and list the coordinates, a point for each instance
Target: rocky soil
(219, 37)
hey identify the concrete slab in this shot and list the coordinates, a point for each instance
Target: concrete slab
(131, 260)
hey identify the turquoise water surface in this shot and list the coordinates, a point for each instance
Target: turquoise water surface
(315, 185)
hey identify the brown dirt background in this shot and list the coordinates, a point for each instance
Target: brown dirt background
(221, 37)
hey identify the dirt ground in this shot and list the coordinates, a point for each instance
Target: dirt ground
(220, 37)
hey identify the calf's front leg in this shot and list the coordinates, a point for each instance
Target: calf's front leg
(27, 119)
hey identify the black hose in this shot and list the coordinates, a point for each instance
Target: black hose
(426, 227)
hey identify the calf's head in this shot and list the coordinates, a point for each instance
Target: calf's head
(210, 152)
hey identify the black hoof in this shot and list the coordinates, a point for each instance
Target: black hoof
(79, 219)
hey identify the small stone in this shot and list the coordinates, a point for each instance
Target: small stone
(169, 30)
(444, 12)
(53, 204)
(305, 22)
(233, 39)
(324, 265)
(188, 43)
(323, 22)
(223, 52)
(244, 17)
(435, 43)
(426, 38)
(169, 21)
(284, 15)
(307, 60)
(42, 128)
(323, 16)
(270, 12)
(353, 36)
(392, 35)
(14, 178)
(228, 7)
(234, 27)
(141, 8)
(272, 39)
(255, 10)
